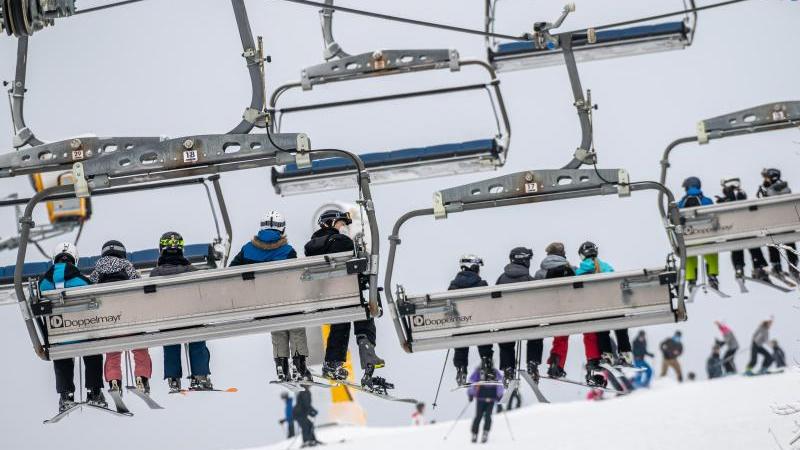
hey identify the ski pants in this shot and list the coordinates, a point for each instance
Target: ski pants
(483, 411)
(199, 359)
(143, 365)
(737, 258)
(65, 373)
(561, 346)
(604, 341)
(339, 337)
(712, 266)
(508, 355)
(775, 256)
(306, 428)
(461, 355)
(642, 379)
(756, 350)
(281, 341)
(728, 364)
(671, 363)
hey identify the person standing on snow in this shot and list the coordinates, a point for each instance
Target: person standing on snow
(694, 197)
(760, 338)
(485, 397)
(714, 364)
(732, 192)
(418, 417)
(288, 414)
(63, 274)
(470, 277)
(671, 349)
(113, 265)
(777, 354)
(517, 271)
(642, 379)
(331, 237)
(301, 413)
(773, 185)
(172, 262)
(270, 244)
(731, 347)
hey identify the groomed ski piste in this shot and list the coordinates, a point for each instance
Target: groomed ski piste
(736, 412)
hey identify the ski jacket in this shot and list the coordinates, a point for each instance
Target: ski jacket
(417, 419)
(779, 356)
(328, 240)
(731, 195)
(554, 266)
(112, 268)
(62, 275)
(640, 349)
(466, 279)
(514, 273)
(671, 348)
(779, 188)
(489, 393)
(714, 366)
(302, 407)
(172, 264)
(694, 197)
(267, 245)
(591, 265)
(761, 336)
(728, 337)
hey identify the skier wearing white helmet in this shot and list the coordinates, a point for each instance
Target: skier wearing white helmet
(469, 277)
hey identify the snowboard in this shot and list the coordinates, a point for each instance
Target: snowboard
(758, 374)
(145, 397)
(535, 386)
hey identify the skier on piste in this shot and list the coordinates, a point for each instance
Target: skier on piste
(469, 277)
(485, 398)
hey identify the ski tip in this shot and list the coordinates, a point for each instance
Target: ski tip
(233, 389)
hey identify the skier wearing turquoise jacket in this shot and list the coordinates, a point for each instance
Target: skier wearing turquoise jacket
(694, 197)
(592, 264)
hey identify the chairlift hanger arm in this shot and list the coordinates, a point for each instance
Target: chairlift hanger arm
(22, 134)
(252, 115)
(332, 48)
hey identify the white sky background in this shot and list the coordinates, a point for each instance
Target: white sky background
(174, 68)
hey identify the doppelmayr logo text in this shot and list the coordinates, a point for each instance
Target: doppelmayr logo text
(61, 322)
(421, 321)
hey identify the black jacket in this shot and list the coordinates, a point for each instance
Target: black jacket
(467, 279)
(714, 366)
(112, 268)
(172, 264)
(640, 349)
(671, 348)
(779, 356)
(302, 405)
(328, 240)
(514, 273)
(731, 195)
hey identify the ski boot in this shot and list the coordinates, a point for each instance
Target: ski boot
(143, 384)
(366, 353)
(487, 370)
(692, 284)
(713, 282)
(282, 369)
(608, 358)
(594, 374)
(739, 272)
(174, 385)
(377, 385)
(777, 272)
(533, 371)
(95, 397)
(200, 383)
(300, 371)
(474, 438)
(115, 385)
(794, 276)
(760, 274)
(509, 373)
(66, 400)
(625, 359)
(461, 375)
(484, 437)
(554, 371)
(334, 370)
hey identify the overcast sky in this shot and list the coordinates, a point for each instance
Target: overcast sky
(174, 68)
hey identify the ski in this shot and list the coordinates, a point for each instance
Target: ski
(758, 374)
(297, 386)
(707, 288)
(535, 386)
(769, 284)
(617, 379)
(783, 277)
(188, 391)
(108, 410)
(742, 287)
(477, 383)
(578, 383)
(145, 397)
(513, 385)
(360, 388)
(63, 414)
(119, 404)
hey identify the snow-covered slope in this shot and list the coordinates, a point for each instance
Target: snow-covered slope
(731, 413)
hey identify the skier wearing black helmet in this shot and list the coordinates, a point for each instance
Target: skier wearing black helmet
(773, 185)
(694, 197)
(470, 277)
(518, 271)
(172, 262)
(731, 192)
(331, 237)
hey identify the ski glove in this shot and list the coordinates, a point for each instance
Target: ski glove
(471, 398)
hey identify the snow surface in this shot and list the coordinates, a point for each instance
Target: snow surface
(730, 413)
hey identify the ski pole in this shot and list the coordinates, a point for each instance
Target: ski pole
(441, 377)
(508, 424)
(455, 422)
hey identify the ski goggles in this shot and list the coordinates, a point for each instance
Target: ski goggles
(171, 242)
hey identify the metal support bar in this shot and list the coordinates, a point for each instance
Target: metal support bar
(22, 134)
(226, 219)
(332, 48)
(585, 153)
(254, 66)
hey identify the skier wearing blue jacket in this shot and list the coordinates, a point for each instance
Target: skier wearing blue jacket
(694, 197)
(270, 244)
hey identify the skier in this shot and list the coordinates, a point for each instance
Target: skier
(731, 192)
(172, 262)
(773, 185)
(301, 413)
(62, 274)
(418, 417)
(518, 271)
(555, 265)
(642, 379)
(486, 396)
(671, 349)
(331, 237)
(760, 338)
(113, 265)
(777, 354)
(714, 364)
(731, 347)
(468, 277)
(288, 416)
(694, 197)
(270, 244)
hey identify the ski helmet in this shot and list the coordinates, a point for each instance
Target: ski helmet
(114, 248)
(555, 248)
(731, 183)
(65, 252)
(692, 182)
(273, 220)
(521, 255)
(771, 174)
(171, 241)
(470, 262)
(329, 218)
(588, 250)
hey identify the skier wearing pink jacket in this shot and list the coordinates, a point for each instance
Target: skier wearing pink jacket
(731, 347)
